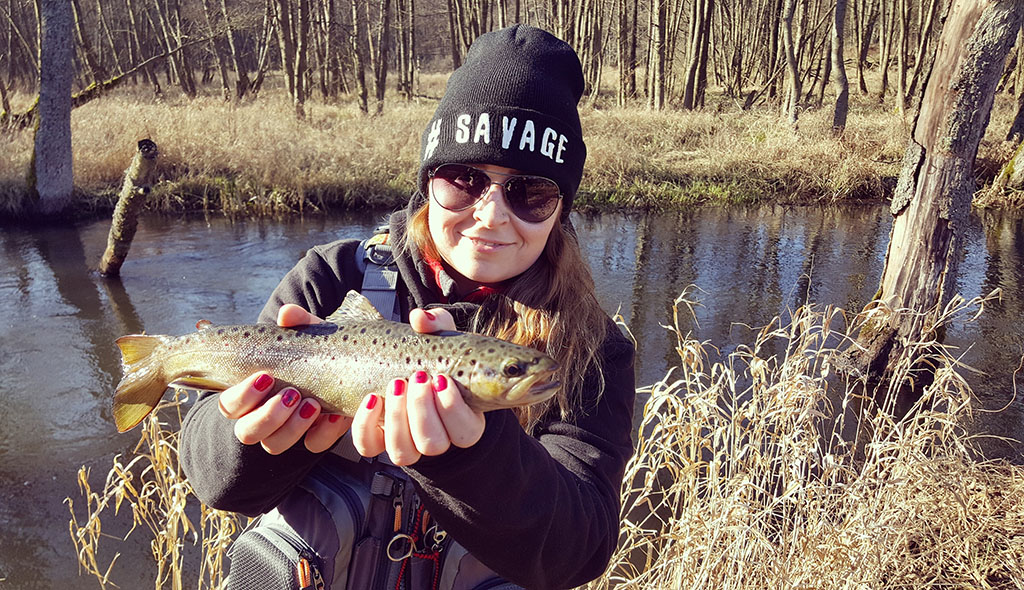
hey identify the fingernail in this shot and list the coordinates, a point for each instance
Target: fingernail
(307, 410)
(263, 382)
(399, 387)
(372, 402)
(440, 382)
(420, 376)
(333, 418)
(289, 397)
(429, 315)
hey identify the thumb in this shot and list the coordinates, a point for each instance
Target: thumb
(432, 320)
(291, 315)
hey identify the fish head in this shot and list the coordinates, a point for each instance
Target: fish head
(514, 377)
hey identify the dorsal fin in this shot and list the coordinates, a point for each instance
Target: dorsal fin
(355, 307)
(203, 324)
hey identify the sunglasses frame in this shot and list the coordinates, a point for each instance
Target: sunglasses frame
(504, 187)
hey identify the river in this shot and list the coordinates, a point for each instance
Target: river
(59, 363)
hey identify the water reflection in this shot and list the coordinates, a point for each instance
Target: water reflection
(750, 264)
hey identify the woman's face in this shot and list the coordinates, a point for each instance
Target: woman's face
(487, 243)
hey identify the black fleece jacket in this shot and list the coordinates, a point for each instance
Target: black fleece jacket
(540, 510)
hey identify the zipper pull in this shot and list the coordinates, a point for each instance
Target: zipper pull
(304, 573)
(398, 513)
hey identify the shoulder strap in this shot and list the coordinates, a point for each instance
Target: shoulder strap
(376, 259)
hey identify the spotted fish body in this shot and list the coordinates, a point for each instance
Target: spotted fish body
(356, 352)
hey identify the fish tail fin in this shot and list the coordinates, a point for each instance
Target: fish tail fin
(143, 384)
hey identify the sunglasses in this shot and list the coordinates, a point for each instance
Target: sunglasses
(457, 187)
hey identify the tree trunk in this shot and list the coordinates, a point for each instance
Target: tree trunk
(839, 70)
(921, 58)
(935, 188)
(92, 63)
(51, 166)
(222, 62)
(126, 212)
(358, 55)
(380, 54)
(656, 58)
(792, 101)
(242, 80)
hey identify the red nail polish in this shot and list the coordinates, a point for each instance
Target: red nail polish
(440, 382)
(307, 410)
(399, 387)
(429, 315)
(333, 418)
(263, 382)
(289, 397)
(420, 376)
(372, 402)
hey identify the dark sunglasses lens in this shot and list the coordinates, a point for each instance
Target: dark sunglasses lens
(461, 185)
(532, 198)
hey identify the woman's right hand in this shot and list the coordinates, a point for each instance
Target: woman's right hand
(279, 421)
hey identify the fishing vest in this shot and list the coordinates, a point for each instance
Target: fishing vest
(356, 523)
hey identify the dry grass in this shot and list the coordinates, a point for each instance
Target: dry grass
(162, 504)
(255, 156)
(762, 470)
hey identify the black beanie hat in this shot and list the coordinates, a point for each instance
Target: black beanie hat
(512, 103)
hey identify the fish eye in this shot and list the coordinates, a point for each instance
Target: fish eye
(513, 368)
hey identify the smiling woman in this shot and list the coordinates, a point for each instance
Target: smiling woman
(485, 245)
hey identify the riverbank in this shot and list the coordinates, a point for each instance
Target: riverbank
(255, 157)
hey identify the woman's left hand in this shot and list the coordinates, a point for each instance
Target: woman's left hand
(417, 416)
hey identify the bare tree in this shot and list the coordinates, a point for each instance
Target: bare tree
(792, 101)
(839, 69)
(51, 169)
(933, 196)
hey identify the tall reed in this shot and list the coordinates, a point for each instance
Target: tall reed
(767, 470)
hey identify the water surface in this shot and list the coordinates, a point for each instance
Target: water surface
(59, 362)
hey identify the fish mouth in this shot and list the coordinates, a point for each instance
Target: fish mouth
(533, 389)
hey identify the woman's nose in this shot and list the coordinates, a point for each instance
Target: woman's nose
(492, 208)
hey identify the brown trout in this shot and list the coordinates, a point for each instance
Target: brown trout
(356, 352)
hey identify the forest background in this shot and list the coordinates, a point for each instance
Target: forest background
(271, 106)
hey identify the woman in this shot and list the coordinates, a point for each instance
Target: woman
(485, 244)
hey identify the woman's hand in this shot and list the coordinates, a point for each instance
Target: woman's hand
(279, 421)
(419, 416)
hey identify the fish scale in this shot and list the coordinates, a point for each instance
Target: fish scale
(355, 353)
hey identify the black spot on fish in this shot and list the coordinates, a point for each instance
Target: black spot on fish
(408, 360)
(375, 342)
(388, 331)
(363, 331)
(280, 338)
(459, 374)
(472, 361)
(440, 359)
(490, 351)
(262, 329)
(245, 334)
(221, 331)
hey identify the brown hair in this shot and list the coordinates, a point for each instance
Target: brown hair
(551, 307)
